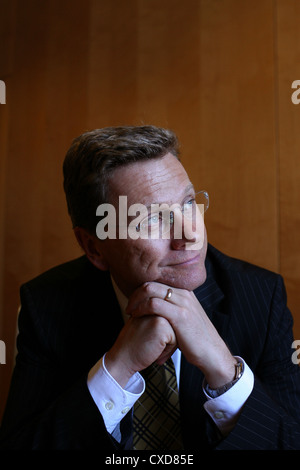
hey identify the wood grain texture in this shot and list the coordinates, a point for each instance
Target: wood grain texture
(288, 70)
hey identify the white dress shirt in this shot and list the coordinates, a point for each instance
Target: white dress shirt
(114, 402)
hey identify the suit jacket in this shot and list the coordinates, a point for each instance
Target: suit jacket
(70, 317)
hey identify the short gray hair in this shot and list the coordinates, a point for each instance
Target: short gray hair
(94, 155)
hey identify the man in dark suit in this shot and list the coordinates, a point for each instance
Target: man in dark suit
(88, 328)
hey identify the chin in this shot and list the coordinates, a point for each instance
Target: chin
(187, 280)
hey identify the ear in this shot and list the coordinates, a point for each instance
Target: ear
(92, 248)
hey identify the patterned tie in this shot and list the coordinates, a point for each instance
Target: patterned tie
(156, 419)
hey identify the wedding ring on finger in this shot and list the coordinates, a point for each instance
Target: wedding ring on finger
(168, 294)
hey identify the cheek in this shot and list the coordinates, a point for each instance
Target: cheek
(145, 257)
(136, 261)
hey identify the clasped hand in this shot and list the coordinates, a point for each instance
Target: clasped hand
(156, 327)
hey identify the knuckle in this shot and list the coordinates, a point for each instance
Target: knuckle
(161, 321)
(158, 322)
(163, 326)
(185, 315)
(153, 304)
(185, 303)
(147, 287)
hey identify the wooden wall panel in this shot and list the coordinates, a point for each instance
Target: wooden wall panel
(113, 59)
(22, 169)
(7, 21)
(66, 109)
(288, 66)
(216, 71)
(236, 158)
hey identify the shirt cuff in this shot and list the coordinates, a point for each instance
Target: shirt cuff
(225, 409)
(112, 400)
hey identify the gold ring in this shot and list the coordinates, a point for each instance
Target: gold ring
(168, 294)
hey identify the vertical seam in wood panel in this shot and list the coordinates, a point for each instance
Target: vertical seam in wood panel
(276, 129)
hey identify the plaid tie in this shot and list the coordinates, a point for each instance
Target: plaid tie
(156, 419)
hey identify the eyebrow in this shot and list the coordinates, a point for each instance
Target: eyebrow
(187, 189)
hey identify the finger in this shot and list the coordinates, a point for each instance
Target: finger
(166, 354)
(151, 290)
(156, 306)
(145, 291)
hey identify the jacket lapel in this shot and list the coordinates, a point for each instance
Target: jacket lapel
(212, 299)
(196, 425)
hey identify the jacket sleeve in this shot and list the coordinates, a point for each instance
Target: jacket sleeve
(271, 416)
(45, 409)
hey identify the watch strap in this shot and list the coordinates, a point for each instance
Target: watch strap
(216, 392)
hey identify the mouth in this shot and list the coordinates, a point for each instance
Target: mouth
(187, 262)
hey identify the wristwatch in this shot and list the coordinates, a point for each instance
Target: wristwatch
(216, 392)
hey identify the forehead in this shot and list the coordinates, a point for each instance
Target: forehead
(151, 181)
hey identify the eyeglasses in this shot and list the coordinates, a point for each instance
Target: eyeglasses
(161, 218)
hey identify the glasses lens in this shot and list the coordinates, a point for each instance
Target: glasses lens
(161, 221)
(199, 203)
(202, 200)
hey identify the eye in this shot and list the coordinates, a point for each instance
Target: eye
(189, 204)
(188, 207)
(150, 221)
(154, 219)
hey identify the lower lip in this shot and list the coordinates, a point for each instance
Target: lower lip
(190, 261)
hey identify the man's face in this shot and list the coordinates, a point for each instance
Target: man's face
(169, 261)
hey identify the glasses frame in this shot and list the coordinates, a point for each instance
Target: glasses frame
(171, 221)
